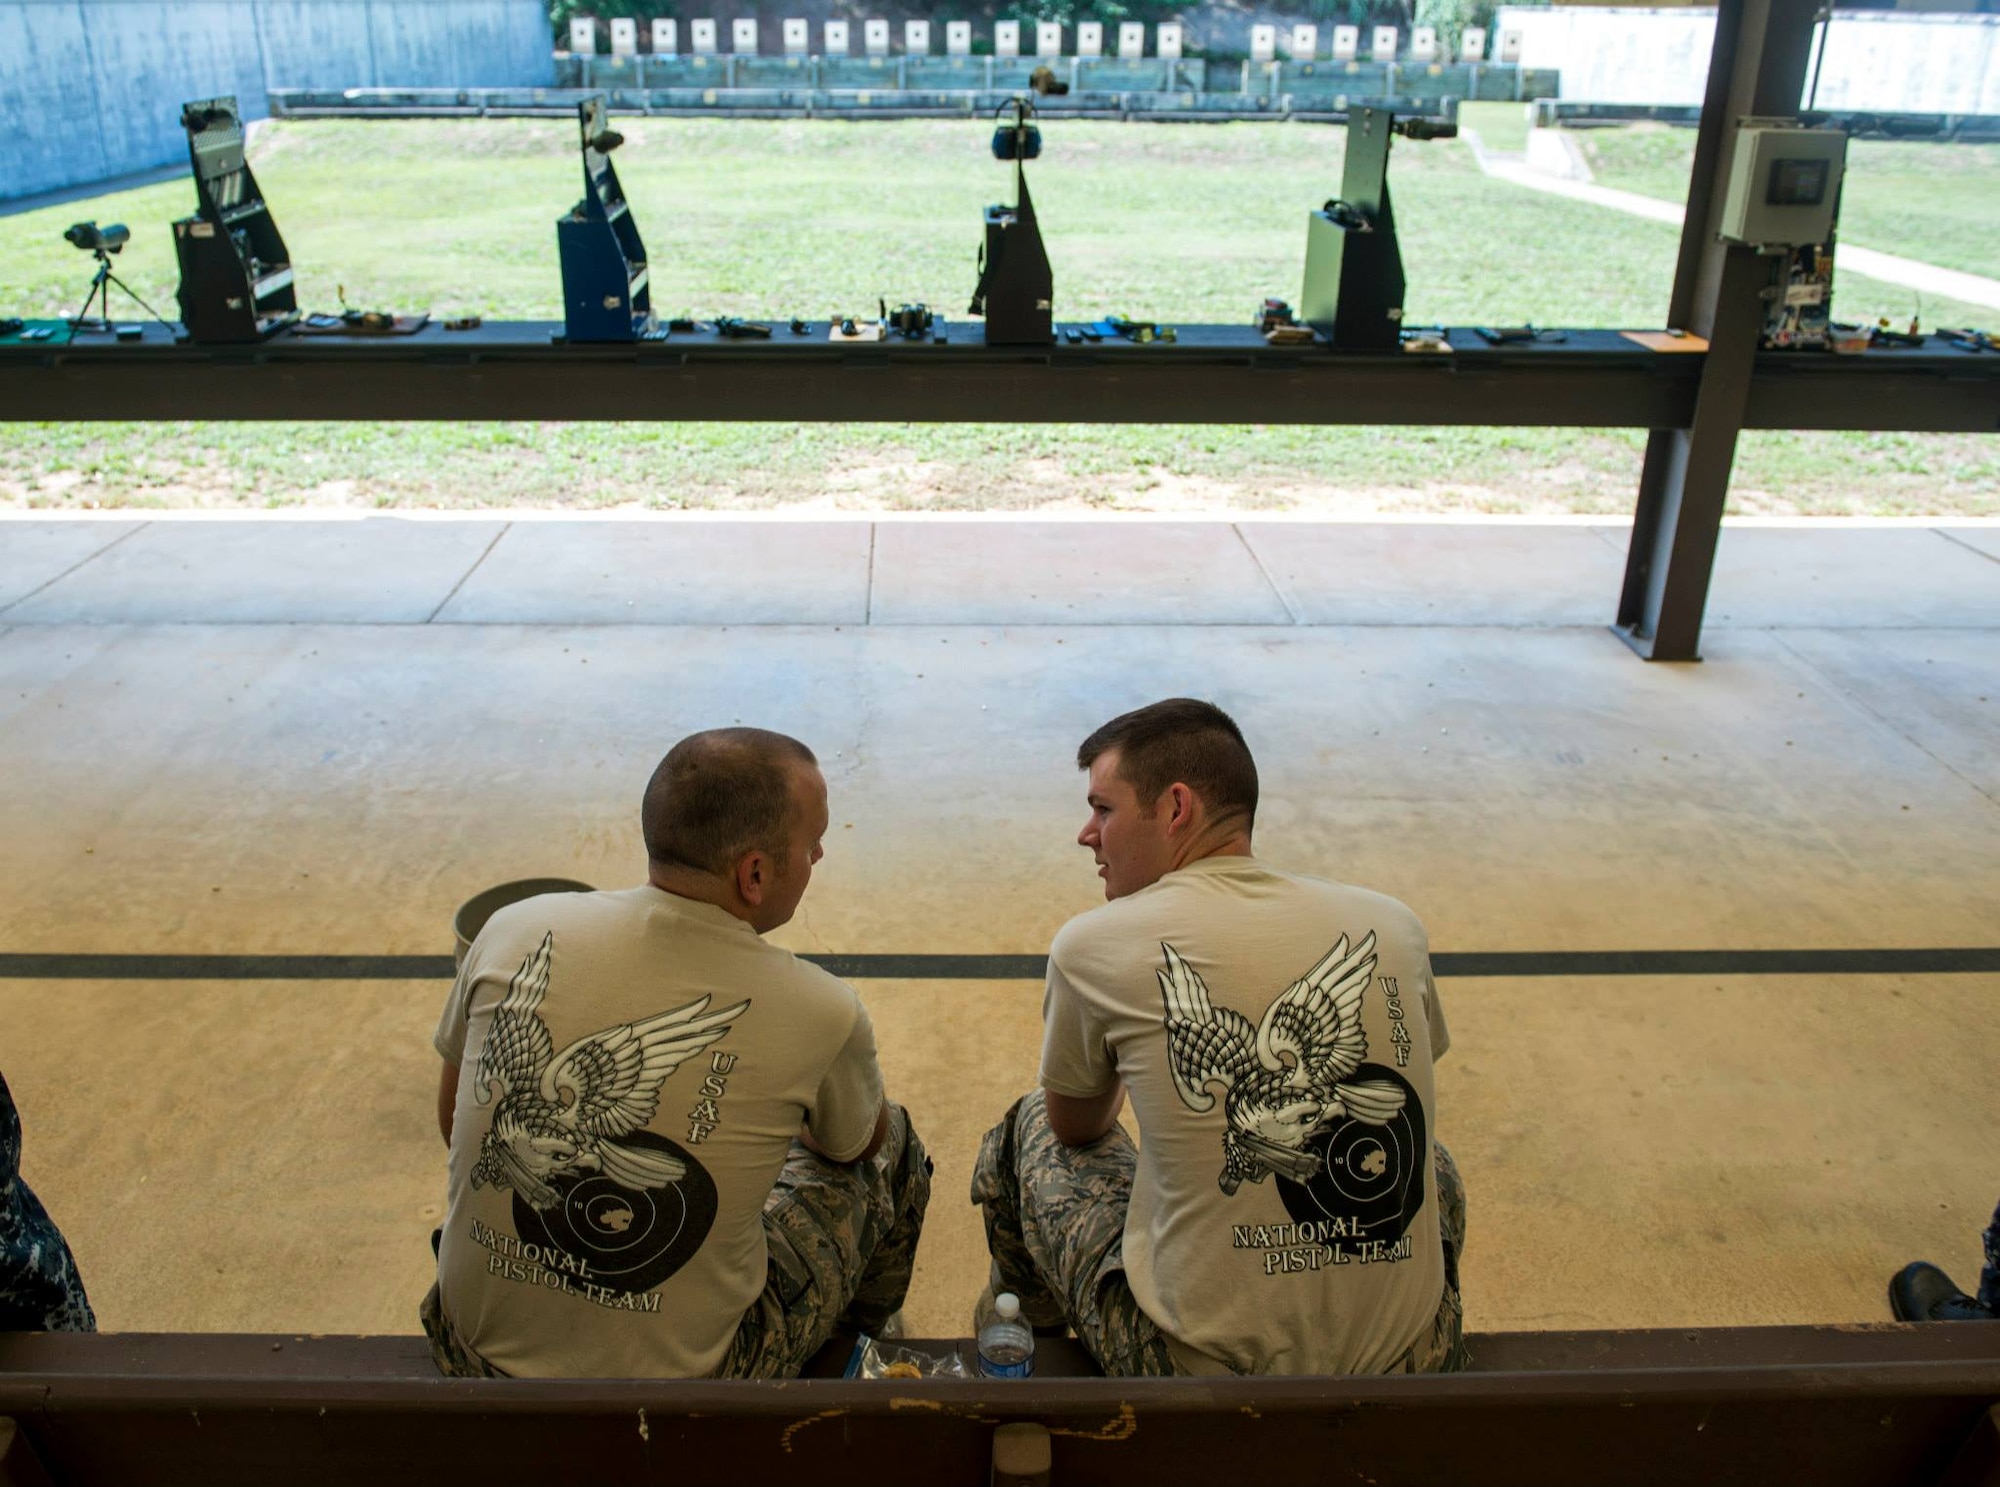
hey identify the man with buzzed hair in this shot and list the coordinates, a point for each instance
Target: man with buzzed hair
(1287, 1209)
(670, 1152)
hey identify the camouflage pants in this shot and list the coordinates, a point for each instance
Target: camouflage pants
(841, 1240)
(454, 1359)
(1989, 1276)
(1055, 1226)
(40, 1290)
(842, 1243)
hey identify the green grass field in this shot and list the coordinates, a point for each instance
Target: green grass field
(1939, 203)
(1171, 222)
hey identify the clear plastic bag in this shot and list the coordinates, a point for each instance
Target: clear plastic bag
(885, 1358)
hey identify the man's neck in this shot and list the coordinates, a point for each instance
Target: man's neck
(1227, 843)
(703, 888)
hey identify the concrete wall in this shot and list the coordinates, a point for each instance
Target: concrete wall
(91, 89)
(1888, 60)
(1927, 64)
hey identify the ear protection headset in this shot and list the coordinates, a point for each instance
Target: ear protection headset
(1019, 140)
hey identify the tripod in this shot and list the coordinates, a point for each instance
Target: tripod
(100, 293)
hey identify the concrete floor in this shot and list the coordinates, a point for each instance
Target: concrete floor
(301, 736)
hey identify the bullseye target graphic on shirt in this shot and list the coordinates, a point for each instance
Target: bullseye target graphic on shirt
(628, 1239)
(1370, 1174)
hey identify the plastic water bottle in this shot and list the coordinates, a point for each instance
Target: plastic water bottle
(1006, 1343)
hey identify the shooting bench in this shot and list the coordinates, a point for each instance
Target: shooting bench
(1209, 374)
(1862, 1404)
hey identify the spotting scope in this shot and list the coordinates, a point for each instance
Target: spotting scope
(94, 239)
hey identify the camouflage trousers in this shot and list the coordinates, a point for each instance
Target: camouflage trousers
(841, 1243)
(40, 1290)
(1055, 1227)
(1989, 1276)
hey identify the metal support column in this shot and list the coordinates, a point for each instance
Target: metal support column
(1762, 49)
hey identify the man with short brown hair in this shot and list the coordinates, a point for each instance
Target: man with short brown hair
(1287, 1209)
(670, 1152)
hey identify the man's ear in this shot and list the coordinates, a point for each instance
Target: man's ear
(753, 876)
(1181, 808)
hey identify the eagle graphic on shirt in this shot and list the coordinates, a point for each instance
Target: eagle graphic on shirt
(1285, 1080)
(562, 1113)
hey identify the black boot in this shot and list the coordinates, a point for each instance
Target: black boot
(1921, 1292)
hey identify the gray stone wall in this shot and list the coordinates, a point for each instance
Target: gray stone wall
(90, 90)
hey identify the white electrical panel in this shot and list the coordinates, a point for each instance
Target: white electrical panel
(1784, 182)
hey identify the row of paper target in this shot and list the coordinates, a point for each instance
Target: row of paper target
(1300, 43)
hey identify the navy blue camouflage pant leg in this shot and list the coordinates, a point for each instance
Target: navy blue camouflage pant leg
(40, 1289)
(841, 1243)
(1055, 1227)
(1989, 1275)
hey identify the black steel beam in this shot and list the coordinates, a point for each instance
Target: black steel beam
(1212, 374)
(1833, 1406)
(1758, 68)
(1801, 390)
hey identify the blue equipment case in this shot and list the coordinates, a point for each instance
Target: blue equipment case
(605, 291)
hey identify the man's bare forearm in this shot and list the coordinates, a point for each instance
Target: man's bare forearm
(1078, 1120)
(874, 1142)
(447, 1100)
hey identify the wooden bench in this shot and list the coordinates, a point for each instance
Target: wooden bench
(1867, 1404)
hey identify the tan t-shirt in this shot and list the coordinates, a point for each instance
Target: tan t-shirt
(633, 1068)
(1275, 1034)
